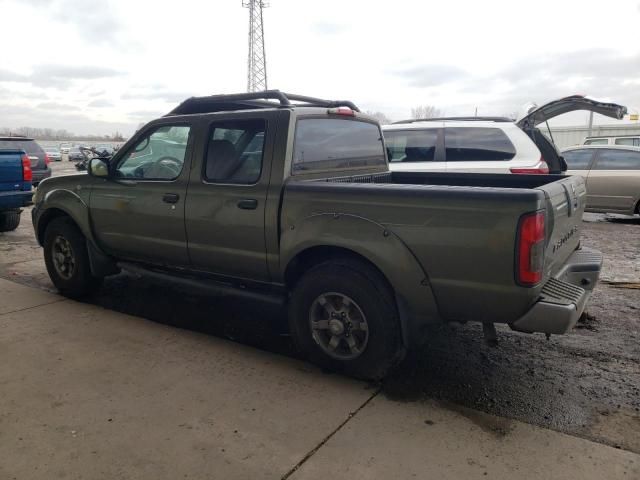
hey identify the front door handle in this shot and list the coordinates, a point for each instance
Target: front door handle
(248, 204)
(170, 198)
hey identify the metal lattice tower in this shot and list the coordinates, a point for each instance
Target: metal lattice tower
(257, 62)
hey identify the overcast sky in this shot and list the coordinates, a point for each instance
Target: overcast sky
(96, 66)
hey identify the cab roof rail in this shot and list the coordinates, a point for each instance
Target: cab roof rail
(254, 100)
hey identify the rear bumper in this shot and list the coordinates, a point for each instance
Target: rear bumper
(15, 199)
(563, 297)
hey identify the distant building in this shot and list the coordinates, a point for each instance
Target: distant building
(570, 136)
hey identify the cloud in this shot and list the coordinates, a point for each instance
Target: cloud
(94, 20)
(153, 93)
(101, 103)
(62, 107)
(328, 28)
(431, 75)
(58, 76)
(7, 76)
(25, 115)
(145, 114)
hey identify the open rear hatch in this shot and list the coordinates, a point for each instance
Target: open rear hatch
(535, 115)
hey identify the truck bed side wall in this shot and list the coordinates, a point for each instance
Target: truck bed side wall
(462, 237)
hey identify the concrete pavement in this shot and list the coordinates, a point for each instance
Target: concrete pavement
(90, 393)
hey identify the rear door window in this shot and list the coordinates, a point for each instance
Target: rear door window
(234, 153)
(411, 145)
(578, 159)
(467, 144)
(333, 143)
(618, 160)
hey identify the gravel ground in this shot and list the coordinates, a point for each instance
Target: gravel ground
(586, 383)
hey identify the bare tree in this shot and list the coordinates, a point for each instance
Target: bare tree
(380, 116)
(425, 111)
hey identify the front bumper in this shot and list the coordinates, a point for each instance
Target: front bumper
(564, 296)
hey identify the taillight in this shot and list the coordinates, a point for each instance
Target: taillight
(47, 160)
(540, 168)
(530, 248)
(27, 174)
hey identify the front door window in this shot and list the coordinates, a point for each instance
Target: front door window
(159, 155)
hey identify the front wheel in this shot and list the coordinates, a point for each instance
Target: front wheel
(343, 317)
(67, 260)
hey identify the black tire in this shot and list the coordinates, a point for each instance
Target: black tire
(79, 282)
(9, 221)
(366, 287)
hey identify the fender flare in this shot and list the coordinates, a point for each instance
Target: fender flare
(75, 208)
(72, 205)
(380, 246)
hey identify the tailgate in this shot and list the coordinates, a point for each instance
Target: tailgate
(566, 201)
(10, 170)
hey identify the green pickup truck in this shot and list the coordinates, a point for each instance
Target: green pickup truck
(288, 199)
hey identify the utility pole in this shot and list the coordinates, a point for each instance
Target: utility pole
(257, 61)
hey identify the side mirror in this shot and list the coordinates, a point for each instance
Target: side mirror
(98, 168)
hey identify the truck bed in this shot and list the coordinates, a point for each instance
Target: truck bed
(461, 228)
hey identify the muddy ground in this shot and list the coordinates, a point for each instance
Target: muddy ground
(586, 383)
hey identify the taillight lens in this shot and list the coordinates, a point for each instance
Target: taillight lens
(27, 174)
(540, 168)
(531, 236)
(47, 160)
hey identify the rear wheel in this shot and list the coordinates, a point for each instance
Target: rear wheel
(67, 260)
(343, 317)
(9, 221)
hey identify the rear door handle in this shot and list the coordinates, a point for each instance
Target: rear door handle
(170, 198)
(248, 204)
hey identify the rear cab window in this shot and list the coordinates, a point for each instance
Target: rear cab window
(322, 144)
(411, 145)
(465, 144)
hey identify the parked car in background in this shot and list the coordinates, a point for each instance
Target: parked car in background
(627, 140)
(612, 173)
(15, 186)
(475, 144)
(294, 205)
(106, 150)
(39, 159)
(65, 147)
(485, 144)
(75, 154)
(54, 154)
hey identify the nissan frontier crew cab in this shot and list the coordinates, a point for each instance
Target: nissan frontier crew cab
(288, 199)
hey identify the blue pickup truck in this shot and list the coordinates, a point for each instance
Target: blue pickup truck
(15, 187)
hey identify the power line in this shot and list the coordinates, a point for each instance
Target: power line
(257, 60)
